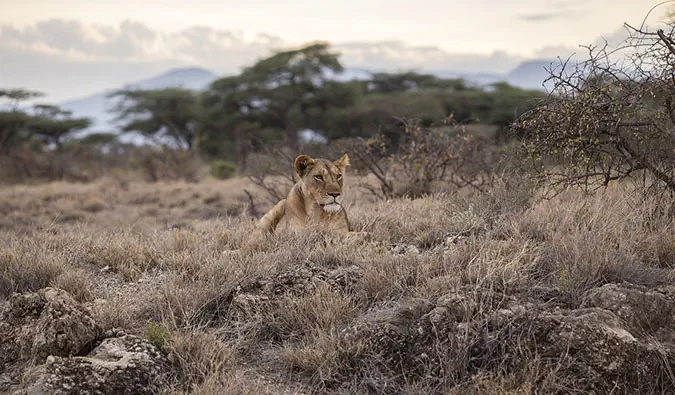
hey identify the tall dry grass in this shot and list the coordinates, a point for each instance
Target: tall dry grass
(149, 258)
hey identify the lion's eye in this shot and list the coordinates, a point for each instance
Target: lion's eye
(318, 178)
(339, 177)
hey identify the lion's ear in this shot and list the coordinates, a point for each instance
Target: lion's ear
(343, 162)
(303, 163)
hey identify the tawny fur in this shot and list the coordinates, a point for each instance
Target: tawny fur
(315, 200)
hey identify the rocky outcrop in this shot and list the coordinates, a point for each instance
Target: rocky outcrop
(642, 309)
(50, 344)
(302, 280)
(595, 349)
(122, 365)
(47, 322)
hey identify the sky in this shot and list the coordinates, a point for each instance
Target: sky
(70, 48)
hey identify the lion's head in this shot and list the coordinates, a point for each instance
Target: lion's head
(322, 179)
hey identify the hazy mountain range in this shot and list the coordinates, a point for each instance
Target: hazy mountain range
(528, 75)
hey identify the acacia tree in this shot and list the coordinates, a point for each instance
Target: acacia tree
(282, 92)
(170, 112)
(12, 120)
(610, 117)
(53, 125)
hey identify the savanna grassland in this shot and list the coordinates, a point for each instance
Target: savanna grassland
(457, 293)
(474, 278)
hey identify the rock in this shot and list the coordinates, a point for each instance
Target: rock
(304, 279)
(400, 338)
(405, 249)
(47, 322)
(591, 349)
(50, 344)
(642, 309)
(455, 306)
(249, 304)
(253, 297)
(119, 365)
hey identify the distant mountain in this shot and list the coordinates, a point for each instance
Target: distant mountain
(531, 74)
(97, 106)
(528, 75)
(479, 79)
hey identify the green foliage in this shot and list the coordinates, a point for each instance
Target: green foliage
(222, 169)
(171, 112)
(399, 82)
(608, 120)
(96, 139)
(12, 129)
(53, 124)
(157, 335)
(269, 103)
(13, 121)
(286, 92)
(18, 95)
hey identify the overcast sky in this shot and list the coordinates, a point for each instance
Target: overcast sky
(70, 48)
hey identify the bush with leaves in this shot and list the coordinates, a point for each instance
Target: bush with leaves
(609, 118)
(223, 169)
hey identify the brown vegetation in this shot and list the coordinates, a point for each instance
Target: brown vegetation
(488, 292)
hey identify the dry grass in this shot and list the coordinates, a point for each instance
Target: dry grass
(268, 321)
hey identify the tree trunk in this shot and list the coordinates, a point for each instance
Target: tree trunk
(291, 138)
(59, 149)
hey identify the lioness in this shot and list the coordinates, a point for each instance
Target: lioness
(316, 199)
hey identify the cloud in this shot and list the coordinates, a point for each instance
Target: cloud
(221, 50)
(66, 58)
(75, 40)
(388, 55)
(562, 4)
(134, 41)
(548, 16)
(555, 51)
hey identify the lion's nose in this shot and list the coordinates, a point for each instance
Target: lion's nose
(334, 194)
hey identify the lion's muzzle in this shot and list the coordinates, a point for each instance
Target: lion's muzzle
(332, 204)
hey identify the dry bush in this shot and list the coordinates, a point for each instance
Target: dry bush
(199, 356)
(426, 160)
(272, 172)
(170, 164)
(609, 117)
(83, 162)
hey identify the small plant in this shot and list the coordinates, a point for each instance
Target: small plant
(157, 335)
(222, 169)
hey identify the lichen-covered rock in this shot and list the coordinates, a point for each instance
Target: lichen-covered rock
(48, 322)
(590, 349)
(641, 308)
(119, 365)
(413, 337)
(304, 279)
(50, 344)
(254, 297)
(454, 306)
(249, 304)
